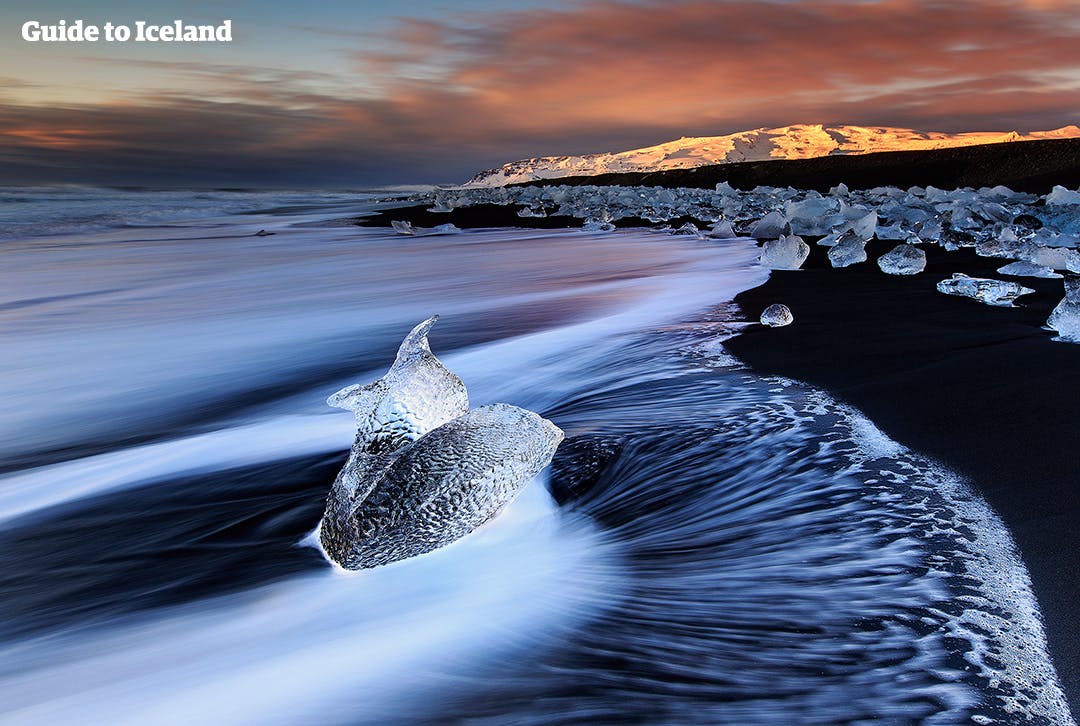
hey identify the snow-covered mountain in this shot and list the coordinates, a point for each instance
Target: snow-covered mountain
(801, 141)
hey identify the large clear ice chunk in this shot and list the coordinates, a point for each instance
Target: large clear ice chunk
(424, 470)
(787, 253)
(991, 292)
(1065, 318)
(903, 260)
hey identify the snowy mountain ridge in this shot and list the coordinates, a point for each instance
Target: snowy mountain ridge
(800, 141)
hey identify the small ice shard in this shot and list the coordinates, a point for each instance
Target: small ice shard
(840, 190)
(402, 227)
(1065, 318)
(687, 228)
(777, 316)
(850, 249)
(722, 230)
(1061, 195)
(535, 211)
(424, 470)
(991, 292)
(263, 233)
(407, 228)
(770, 226)
(903, 260)
(787, 253)
(448, 228)
(1027, 269)
(599, 222)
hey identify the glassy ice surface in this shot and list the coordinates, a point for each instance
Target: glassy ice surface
(777, 315)
(903, 260)
(991, 292)
(787, 253)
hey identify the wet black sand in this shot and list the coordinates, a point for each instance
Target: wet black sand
(984, 390)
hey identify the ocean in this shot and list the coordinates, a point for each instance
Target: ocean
(710, 545)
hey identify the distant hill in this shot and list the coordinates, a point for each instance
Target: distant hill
(798, 142)
(1028, 166)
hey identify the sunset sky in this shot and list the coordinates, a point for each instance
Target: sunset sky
(347, 93)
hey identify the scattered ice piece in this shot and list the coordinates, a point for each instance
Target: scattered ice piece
(903, 260)
(892, 232)
(687, 228)
(930, 230)
(1061, 195)
(263, 233)
(1027, 269)
(1065, 318)
(722, 230)
(1000, 246)
(787, 253)
(408, 229)
(810, 216)
(848, 250)
(865, 227)
(595, 225)
(840, 190)
(1051, 238)
(600, 222)
(991, 292)
(1058, 258)
(830, 240)
(770, 226)
(535, 211)
(777, 316)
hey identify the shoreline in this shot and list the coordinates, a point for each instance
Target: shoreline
(983, 390)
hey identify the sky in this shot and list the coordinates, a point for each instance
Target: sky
(350, 93)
